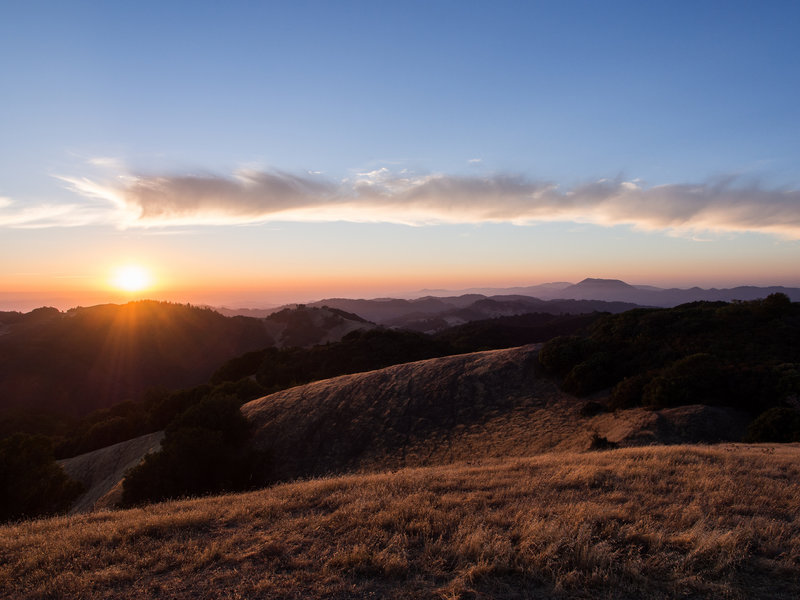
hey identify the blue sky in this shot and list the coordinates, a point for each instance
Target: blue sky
(399, 130)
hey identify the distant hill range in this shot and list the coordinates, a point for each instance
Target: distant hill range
(432, 315)
(438, 309)
(615, 290)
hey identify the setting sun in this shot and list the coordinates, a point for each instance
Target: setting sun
(131, 278)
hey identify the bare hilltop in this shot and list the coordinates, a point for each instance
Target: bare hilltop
(455, 408)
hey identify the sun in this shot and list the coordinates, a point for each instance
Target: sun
(131, 278)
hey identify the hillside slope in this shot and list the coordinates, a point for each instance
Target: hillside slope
(484, 404)
(101, 471)
(677, 522)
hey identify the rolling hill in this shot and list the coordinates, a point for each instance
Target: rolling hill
(464, 476)
(654, 522)
(459, 408)
(471, 406)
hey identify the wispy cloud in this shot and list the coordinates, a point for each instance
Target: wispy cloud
(252, 196)
(44, 215)
(107, 162)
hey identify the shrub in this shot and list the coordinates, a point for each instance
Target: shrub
(561, 354)
(214, 413)
(778, 424)
(192, 461)
(695, 379)
(204, 451)
(776, 305)
(741, 354)
(592, 408)
(239, 367)
(32, 484)
(600, 442)
(593, 374)
(628, 392)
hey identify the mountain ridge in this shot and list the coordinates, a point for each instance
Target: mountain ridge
(405, 308)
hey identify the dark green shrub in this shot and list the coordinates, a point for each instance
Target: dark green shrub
(32, 484)
(600, 442)
(214, 413)
(193, 461)
(593, 374)
(593, 408)
(778, 424)
(696, 379)
(239, 367)
(739, 354)
(628, 392)
(204, 451)
(561, 354)
(776, 305)
(787, 377)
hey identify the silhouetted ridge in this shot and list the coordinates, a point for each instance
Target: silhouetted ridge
(98, 356)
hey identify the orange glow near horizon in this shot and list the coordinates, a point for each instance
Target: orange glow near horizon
(238, 284)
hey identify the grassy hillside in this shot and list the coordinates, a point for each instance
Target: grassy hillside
(101, 471)
(467, 407)
(484, 404)
(696, 522)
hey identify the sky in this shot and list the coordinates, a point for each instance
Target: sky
(250, 154)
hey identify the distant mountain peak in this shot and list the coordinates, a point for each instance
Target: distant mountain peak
(603, 283)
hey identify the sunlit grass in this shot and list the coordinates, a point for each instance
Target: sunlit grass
(660, 522)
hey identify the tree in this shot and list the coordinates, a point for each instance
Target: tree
(204, 451)
(32, 484)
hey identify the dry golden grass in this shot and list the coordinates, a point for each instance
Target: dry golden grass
(655, 522)
(489, 404)
(101, 471)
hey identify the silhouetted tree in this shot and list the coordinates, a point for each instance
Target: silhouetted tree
(204, 451)
(32, 484)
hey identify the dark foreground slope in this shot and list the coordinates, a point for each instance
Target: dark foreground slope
(464, 407)
(661, 522)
